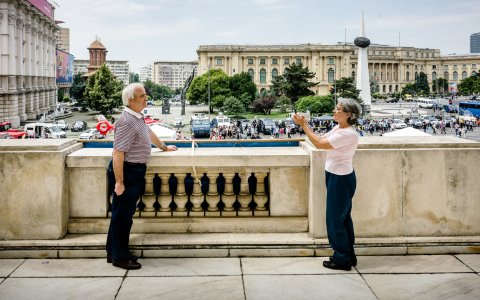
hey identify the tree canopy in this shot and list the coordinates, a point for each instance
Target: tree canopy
(345, 87)
(470, 85)
(294, 83)
(157, 91)
(78, 88)
(103, 92)
(315, 104)
(219, 86)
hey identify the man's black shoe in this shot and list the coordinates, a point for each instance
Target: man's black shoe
(109, 258)
(353, 260)
(127, 265)
(331, 264)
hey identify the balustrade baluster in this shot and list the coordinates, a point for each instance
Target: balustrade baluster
(213, 198)
(180, 197)
(244, 197)
(196, 198)
(148, 197)
(228, 196)
(164, 198)
(260, 196)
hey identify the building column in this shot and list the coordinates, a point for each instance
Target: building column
(11, 108)
(22, 98)
(28, 68)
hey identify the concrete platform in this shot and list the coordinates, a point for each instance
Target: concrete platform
(375, 277)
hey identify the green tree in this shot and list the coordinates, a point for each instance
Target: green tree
(218, 101)
(470, 85)
(241, 86)
(284, 104)
(421, 85)
(294, 83)
(133, 77)
(345, 87)
(78, 88)
(103, 92)
(219, 86)
(60, 95)
(315, 104)
(409, 89)
(157, 91)
(233, 106)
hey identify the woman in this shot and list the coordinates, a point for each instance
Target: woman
(341, 143)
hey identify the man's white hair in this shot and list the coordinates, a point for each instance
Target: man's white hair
(129, 92)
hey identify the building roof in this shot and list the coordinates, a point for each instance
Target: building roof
(96, 44)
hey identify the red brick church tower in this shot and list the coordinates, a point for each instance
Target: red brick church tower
(98, 55)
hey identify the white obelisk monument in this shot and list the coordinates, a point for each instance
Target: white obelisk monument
(363, 80)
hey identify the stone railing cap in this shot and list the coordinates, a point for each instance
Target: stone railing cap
(36, 144)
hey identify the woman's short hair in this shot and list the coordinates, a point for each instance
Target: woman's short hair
(129, 92)
(351, 106)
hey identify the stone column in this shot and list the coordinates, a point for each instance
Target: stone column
(22, 98)
(181, 197)
(164, 198)
(212, 197)
(11, 109)
(228, 196)
(260, 196)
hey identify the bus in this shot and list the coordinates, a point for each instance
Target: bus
(471, 106)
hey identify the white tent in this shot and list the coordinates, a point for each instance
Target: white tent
(163, 132)
(409, 131)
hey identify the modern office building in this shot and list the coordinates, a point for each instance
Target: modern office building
(475, 43)
(27, 65)
(172, 73)
(63, 39)
(389, 66)
(145, 73)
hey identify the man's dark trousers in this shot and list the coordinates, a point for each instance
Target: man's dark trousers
(123, 208)
(340, 191)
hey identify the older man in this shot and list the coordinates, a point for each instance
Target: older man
(131, 151)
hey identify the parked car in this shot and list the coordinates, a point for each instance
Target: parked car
(268, 126)
(399, 124)
(91, 134)
(178, 122)
(79, 126)
(62, 124)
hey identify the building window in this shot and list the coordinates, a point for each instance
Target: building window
(434, 67)
(274, 61)
(474, 66)
(464, 74)
(445, 76)
(330, 61)
(285, 71)
(445, 66)
(353, 66)
(274, 73)
(464, 66)
(286, 61)
(407, 76)
(250, 61)
(251, 72)
(298, 60)
(353, 74)
(218, 61)
(262, 61)
(416, 75)
(455, 76)
(408, 54)
(434, 76)
(473, 73)
(331, 75)
(263, 76)
(454, 67)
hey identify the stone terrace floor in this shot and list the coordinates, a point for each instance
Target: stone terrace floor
(375, 277)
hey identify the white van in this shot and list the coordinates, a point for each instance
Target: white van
(44, 130)
(425, 103)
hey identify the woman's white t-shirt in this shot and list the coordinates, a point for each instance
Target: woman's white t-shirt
(344, 142)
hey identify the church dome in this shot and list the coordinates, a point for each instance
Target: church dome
(96, 44)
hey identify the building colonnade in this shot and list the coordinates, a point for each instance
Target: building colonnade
(27, 64)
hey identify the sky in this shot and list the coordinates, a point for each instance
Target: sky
(143, 31)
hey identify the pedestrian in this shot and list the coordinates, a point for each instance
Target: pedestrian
(341, 143)
(113, 120)
(126, 173)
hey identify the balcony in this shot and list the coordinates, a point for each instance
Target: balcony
(414, 195)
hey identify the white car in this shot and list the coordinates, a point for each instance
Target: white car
(399, 124)
(62, 124)
(91, 134)
(178, 122)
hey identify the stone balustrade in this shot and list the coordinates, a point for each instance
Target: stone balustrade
(407, 187)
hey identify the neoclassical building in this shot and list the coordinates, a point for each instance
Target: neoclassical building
(391, 67)
(27, 64)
